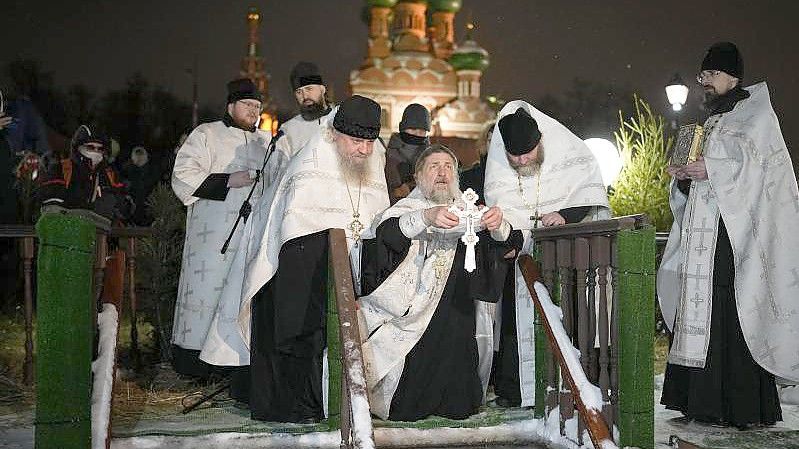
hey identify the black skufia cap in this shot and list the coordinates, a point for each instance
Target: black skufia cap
(242, 89)
(519, 132)
(358, 117)
(303, 74)
(724, 56)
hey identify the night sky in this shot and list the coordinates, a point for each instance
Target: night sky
(537, 47)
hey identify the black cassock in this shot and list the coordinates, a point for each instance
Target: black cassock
(732, 388)
(288, 334)
(440, 375)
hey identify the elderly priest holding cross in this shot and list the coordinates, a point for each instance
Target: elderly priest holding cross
(436, 253)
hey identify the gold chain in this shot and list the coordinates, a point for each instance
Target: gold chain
(535, 217)
(355, 225)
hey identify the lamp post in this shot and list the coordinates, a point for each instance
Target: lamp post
(677, 93)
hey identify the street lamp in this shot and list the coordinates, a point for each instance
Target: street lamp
(677, 92)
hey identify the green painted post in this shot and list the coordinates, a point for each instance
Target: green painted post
(636, 316)
(64, 333)
(333, 356)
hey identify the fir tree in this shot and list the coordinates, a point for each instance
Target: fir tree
(643, 184)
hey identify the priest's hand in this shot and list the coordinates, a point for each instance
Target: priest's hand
(677, 172)
(440, 217)
(492, 218)
(696, 170)
(552, 219)
(239, 179)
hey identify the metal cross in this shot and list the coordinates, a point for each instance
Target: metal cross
(356, 226)
(472, 215)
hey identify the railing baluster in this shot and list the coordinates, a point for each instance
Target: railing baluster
(28, 245)
(565, 274)
(549, 249)
(602, 251)
(581, 261)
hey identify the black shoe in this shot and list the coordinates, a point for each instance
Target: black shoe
(505, 402)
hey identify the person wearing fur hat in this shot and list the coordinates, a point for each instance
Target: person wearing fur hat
(726, 283)
(310, 92)
(213, 171)
(403, 148)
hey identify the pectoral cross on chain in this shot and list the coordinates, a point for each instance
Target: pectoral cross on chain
(356, 227)
(471, 214)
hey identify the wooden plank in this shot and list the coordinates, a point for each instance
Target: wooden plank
(362, 434)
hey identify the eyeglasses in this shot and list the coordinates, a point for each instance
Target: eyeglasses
(253, 106)
(707, 75)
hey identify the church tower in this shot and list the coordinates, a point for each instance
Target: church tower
(252, 67)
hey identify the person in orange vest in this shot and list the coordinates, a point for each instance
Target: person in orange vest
(85, 180)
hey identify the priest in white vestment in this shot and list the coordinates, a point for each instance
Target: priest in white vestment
(310, 92)
(540, 174)
(418, 319)
(272, 316)
(728, 283)
(213, 173)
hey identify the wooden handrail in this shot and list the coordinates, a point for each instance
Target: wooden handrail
(597, 428)
(590, 228)
(356, 419)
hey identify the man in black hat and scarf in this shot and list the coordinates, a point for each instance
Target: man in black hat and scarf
(213, 172)
(273, 310)
(403, 148)
(310, 92)
(725, 281)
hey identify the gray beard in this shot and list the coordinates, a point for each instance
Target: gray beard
(441, 197)
(352, 170)
(527, 170)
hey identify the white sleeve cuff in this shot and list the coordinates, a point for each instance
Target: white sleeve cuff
(502, 232)
(412, 224)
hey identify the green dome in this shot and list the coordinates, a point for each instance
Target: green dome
(469, 56)
(381, 3)
(445, 5)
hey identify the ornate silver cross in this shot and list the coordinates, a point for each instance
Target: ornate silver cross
(471, 214)
(356, 227)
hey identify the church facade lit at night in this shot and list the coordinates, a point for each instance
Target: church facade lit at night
(412, 57)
